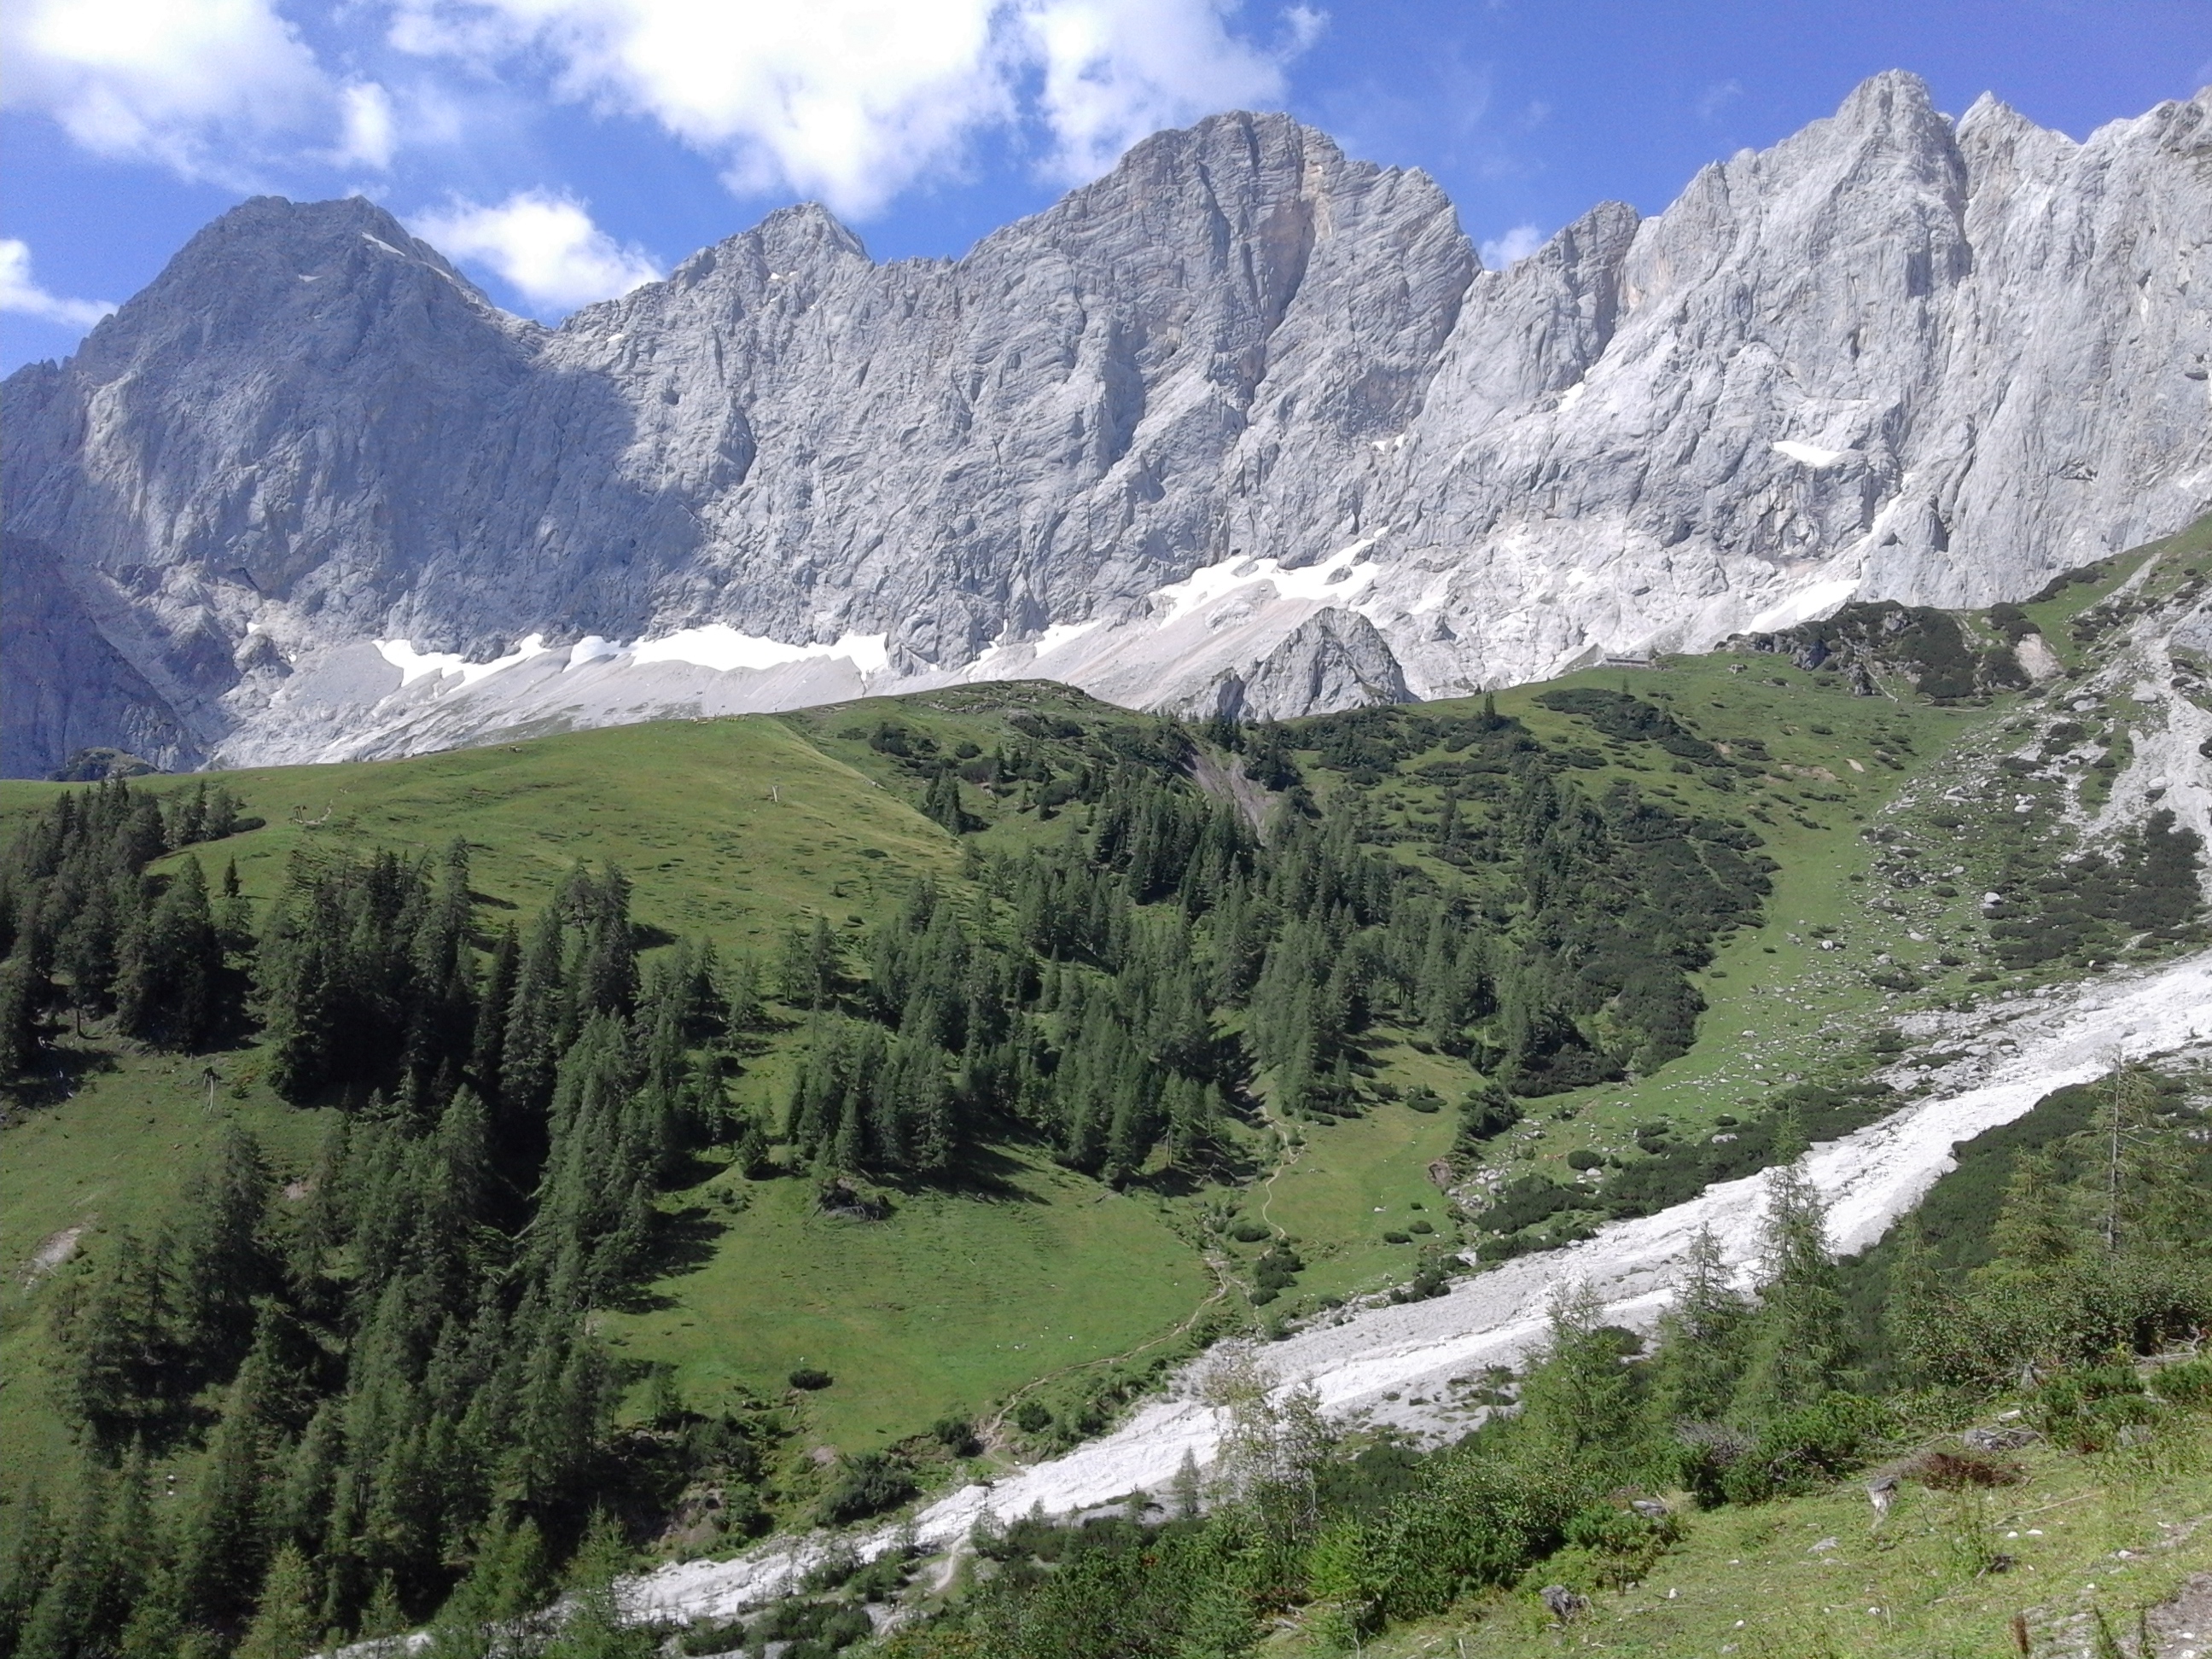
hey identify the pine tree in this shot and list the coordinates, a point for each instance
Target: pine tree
(1700, 1358)
(116, 1344)
(492, 1606)
(168, 983)
(219, 1256)
(1800, 1338)
(536, 1022)
(2034, 1231)
(1918, 1312)
(595, 1627)
(1579, 1402)
(283, 1620)
(22, 997)
(221, 1554)
(68, 1616)
(32, 1550)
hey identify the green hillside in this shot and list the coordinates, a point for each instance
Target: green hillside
(908, 1083)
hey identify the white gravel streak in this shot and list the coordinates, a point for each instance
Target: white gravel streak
(1393, 1362)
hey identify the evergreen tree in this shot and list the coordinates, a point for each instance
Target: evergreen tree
(22, 997)
(283, 1620)
(220, 1258)
(1579, 1404)
(169, 980)
(1918, 1313)
(594, 1627)
(221, 1553)
(1800, 1335)
(1700, 1358)
(117, 1343)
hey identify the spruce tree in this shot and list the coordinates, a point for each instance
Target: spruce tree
(221, 1553)
(221, 1259)
(1800, 1337)
(1579, 1403)
(22, 999)
(1700, 1359)
(283, 1620)
(116, 1344)
(169, 980)
(594, 1627)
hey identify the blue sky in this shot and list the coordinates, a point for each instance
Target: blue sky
(563, 149)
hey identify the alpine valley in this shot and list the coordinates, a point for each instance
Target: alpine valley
(1206, 938)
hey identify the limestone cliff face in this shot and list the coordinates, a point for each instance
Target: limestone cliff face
(1242, 420)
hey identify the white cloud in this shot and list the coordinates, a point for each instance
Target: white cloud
(201, 86)
(852, 100)
(368, 135)
(545, 245)
(1515, 245)
(1117, 70)
(20, 294)
(1717, 97)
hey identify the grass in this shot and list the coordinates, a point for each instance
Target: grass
(944, 1308)
(1810, 1578)
(1349, 1184)
(1826, 780)
(115, 1154)
(728, 829)
(735, 829)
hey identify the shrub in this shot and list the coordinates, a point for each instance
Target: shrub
(1583, 1158)
(1948, 1471)
(956, 1435)
(868, 1484)
(1803, 1450)
(1032, 1417)
(810, 1378)
(1249, 1232)
(2186, 1384)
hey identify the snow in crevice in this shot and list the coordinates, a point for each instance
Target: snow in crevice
(414, 665)
(1811, 455)
(1334, 581)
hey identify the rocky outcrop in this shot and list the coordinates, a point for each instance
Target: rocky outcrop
(1334, 659)
(1243, 413)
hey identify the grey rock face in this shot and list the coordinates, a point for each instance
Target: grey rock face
(1242, 414)
(1334, 659)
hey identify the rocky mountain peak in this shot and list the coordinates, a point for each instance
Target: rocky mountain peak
(1243, 411)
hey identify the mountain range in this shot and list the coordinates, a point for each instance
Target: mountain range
(1242, 427)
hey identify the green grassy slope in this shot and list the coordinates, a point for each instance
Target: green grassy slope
(729, 829)
(733, 830)
(1812, 1577)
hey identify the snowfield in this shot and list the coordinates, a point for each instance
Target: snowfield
(1395, 1364)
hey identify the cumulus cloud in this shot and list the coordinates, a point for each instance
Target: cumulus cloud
(369, 134)
(852, 100)
(1114, 71)
(1515, 245)
(545, 245)
(207, 88)
(20, 294)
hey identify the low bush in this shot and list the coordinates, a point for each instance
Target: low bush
(867, 1484)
